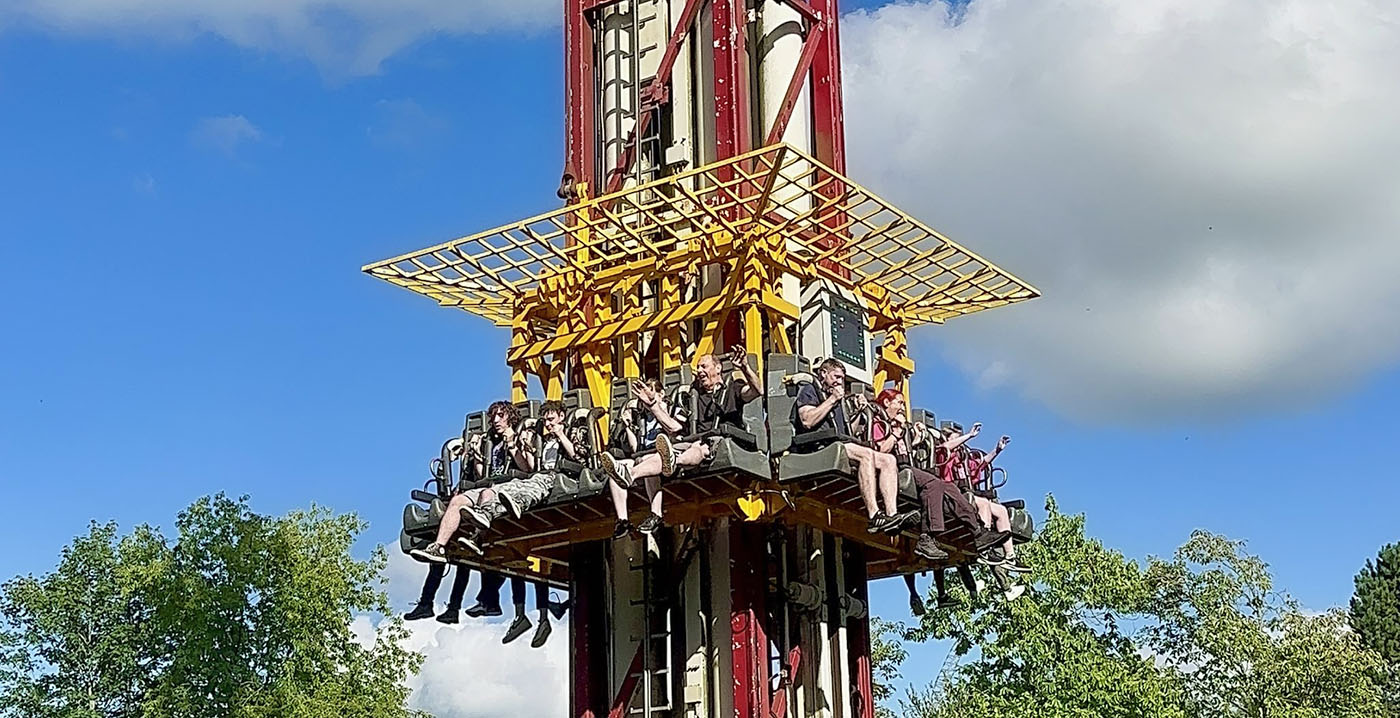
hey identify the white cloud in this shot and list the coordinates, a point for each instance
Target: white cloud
(466, 671)
(340, 36)
(225, 134)
(1207, 191)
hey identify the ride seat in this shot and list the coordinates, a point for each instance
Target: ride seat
(805, 455)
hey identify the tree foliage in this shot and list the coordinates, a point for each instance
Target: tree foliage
(242, 615)
(1375, 607)
(1202, 634)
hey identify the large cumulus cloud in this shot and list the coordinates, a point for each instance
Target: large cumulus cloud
(1207, 191)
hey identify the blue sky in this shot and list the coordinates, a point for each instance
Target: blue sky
(184, 220)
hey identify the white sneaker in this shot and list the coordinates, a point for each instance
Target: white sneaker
(614, 470)
(1015, 592)
(667, 451)
(471, 544)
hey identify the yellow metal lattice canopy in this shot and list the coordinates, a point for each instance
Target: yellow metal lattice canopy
(777, 204)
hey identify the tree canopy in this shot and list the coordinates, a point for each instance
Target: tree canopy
(1202, 634)
(241, 615)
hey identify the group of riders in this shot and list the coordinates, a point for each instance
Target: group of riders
(657, 448)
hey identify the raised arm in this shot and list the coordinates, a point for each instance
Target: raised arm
(957, 441)
(753, 386)
(1001, 444)
(652, 401)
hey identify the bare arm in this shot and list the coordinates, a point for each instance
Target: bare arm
(658, 410)
(810, 416)
(1001, 444)
(566, 443)
(524, 459)
(957, 441)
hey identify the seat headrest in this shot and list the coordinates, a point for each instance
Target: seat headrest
(800, 377)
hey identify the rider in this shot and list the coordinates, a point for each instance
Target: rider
(893, 436)
(719, 401)
(658, 419)
(818, 408)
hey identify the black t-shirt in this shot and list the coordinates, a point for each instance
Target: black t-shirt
(810, 395)
(723, 405)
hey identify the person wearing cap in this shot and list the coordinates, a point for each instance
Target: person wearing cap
(893, 436)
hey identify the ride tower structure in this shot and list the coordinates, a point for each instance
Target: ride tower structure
(706, 205)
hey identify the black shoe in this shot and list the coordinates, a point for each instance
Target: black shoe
(432, 552)
(449, 616)
(916, 605)
(649, 524)
(990, 539)
(903, 520)
(621, 529)
(518, 627)
(878, 523)
(477, 610)
(945, 602)
(559, 608)
(541, 634)
(419, 612)
(927, 548)
(1014, 565)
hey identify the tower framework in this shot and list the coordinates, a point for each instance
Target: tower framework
(684, 233)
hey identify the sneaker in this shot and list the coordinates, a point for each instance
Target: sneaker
(541, 634)
(449, 616)
(878, 523)
(667, 451)
(419, 612)
(990, 539)
(509, 504)
(622, 528)
(946, 602)
(650, 524)
(478, 609)
(901, 521)
(559, 608)
(476, 515)
(432, 552)
(927, 548)
(916, 606)
(470, 543)
(615, 470)
(991, 558)
(1014, 565)
(518, 627)
(1015, 592)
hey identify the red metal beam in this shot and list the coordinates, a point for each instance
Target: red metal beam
(580, 96)
(585, 624)
(794, 89)
(732, 117)
(748, 637)
(828, 113)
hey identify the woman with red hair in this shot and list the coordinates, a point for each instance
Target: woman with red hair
(893, 437)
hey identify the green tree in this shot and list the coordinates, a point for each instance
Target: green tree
(1202, 635)
(1375, 607)
(242, 615)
